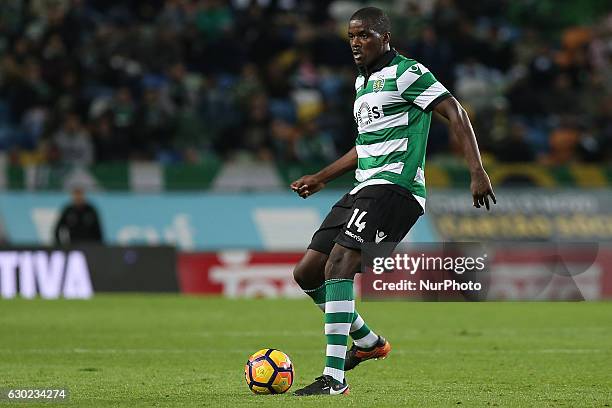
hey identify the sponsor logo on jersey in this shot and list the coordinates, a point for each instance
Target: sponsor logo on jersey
(366, 114)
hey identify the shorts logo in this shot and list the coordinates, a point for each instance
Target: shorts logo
(354, 236)
(380, 235)
(379, 84)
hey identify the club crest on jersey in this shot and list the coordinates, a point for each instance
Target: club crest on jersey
(378, 84)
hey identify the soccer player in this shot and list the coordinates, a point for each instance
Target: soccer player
(395, 98)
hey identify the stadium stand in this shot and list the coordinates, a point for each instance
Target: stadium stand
(195, 84)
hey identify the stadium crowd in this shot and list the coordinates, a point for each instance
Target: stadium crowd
(88, 81)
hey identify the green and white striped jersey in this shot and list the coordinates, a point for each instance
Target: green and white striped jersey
(393, 113)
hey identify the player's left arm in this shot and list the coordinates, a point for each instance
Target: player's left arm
(460, 126)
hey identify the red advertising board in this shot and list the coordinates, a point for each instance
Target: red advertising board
(239, 273)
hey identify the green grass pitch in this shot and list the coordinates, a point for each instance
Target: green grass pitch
(137, 350)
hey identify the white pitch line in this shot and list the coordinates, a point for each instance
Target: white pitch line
(302, 351)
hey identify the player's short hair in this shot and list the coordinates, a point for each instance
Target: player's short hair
(375, 18)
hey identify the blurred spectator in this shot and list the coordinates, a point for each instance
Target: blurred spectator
(285, 137)
(255, 130)
(435, 53)
(78, 223)
(563, 144)
(109, 145)
(73, 142)
(515, 147)
(154, 124)
(176, 92)
(315, 146)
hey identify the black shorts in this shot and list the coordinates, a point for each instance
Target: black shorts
(378, 213)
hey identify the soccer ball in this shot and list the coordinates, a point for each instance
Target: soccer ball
(269, 371)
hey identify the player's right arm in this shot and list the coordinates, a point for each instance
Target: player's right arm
(308, 185)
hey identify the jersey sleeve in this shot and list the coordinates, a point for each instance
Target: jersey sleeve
(419, 86)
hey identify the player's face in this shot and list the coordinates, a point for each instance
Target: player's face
(366, 44)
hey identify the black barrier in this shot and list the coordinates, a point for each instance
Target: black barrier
(80, 271)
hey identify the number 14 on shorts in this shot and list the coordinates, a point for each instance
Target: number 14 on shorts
(357, 218)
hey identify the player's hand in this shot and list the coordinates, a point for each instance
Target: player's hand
(481, 189)
(306, 186)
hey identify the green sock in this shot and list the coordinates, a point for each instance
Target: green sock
(362, 335)
(339, 314)
(318, 296)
